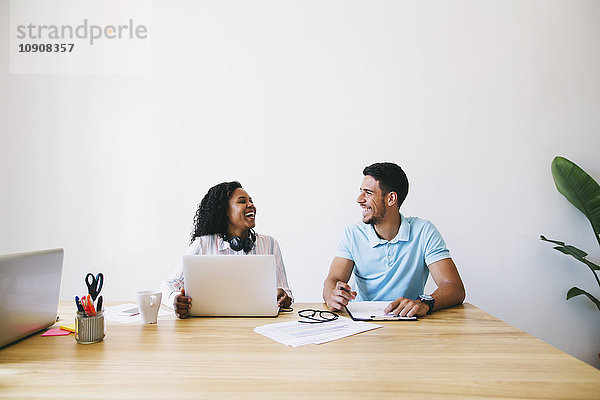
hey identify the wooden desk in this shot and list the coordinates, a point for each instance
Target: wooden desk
(456, 353)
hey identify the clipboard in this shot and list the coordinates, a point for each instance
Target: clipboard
(373, 311)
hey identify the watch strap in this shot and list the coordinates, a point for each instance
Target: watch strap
(430, 301)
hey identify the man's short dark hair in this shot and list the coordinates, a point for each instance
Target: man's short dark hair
(391, 178)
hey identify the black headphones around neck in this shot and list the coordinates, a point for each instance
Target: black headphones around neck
(237, 243)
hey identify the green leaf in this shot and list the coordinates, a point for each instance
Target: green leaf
(574, 251)
(552, 241)
(593, 266)
(580, 189)
(575, 291)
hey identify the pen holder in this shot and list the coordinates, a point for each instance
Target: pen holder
(89, 329)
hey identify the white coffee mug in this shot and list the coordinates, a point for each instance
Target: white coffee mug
(148, 302)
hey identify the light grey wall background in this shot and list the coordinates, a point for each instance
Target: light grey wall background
(472, 98)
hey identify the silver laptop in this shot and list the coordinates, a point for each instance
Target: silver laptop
(29, 291)
(231, 286)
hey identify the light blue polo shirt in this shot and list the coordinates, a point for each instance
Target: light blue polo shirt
(386, 270)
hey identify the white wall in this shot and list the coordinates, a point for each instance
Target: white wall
(472, 98)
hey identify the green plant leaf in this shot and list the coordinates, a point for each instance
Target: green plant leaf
(574, 252)
(593, 266)
(580, 189)
(568, 250)
(542, 237)
(575, 291)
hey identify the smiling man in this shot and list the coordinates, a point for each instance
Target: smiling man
(391, 255)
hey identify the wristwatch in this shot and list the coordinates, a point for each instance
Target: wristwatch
(427, 299)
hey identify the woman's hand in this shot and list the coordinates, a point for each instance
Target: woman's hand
(182, 305)
(283, 300)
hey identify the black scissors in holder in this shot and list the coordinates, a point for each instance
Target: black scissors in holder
(94, 284)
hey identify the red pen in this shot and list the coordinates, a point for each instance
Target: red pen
(88, 305)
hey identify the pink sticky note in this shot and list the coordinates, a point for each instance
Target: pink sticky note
(55, 332)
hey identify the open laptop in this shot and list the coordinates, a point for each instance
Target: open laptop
(29, 290)
(231, 286)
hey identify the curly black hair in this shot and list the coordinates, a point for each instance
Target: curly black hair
(211, 216)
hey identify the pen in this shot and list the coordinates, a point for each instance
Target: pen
(84, 305)
(348, 291)
(78, 304)
(91, 305)
(88, 305)
(100, 300)
(386, 317)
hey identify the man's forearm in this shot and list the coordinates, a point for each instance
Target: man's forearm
(328, 287)
(448, 295)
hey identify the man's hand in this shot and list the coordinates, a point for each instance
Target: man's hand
(283, 300)
(340, 296)
(339, 273)
(182, 305)
(407, 308)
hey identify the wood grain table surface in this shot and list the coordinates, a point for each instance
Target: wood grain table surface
(458, 353)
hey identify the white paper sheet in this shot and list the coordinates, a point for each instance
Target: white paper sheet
(112, 313)
(296, 333)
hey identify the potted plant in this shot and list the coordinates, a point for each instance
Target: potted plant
(584, 193)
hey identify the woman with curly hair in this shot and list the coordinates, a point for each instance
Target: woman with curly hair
(224, 224)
